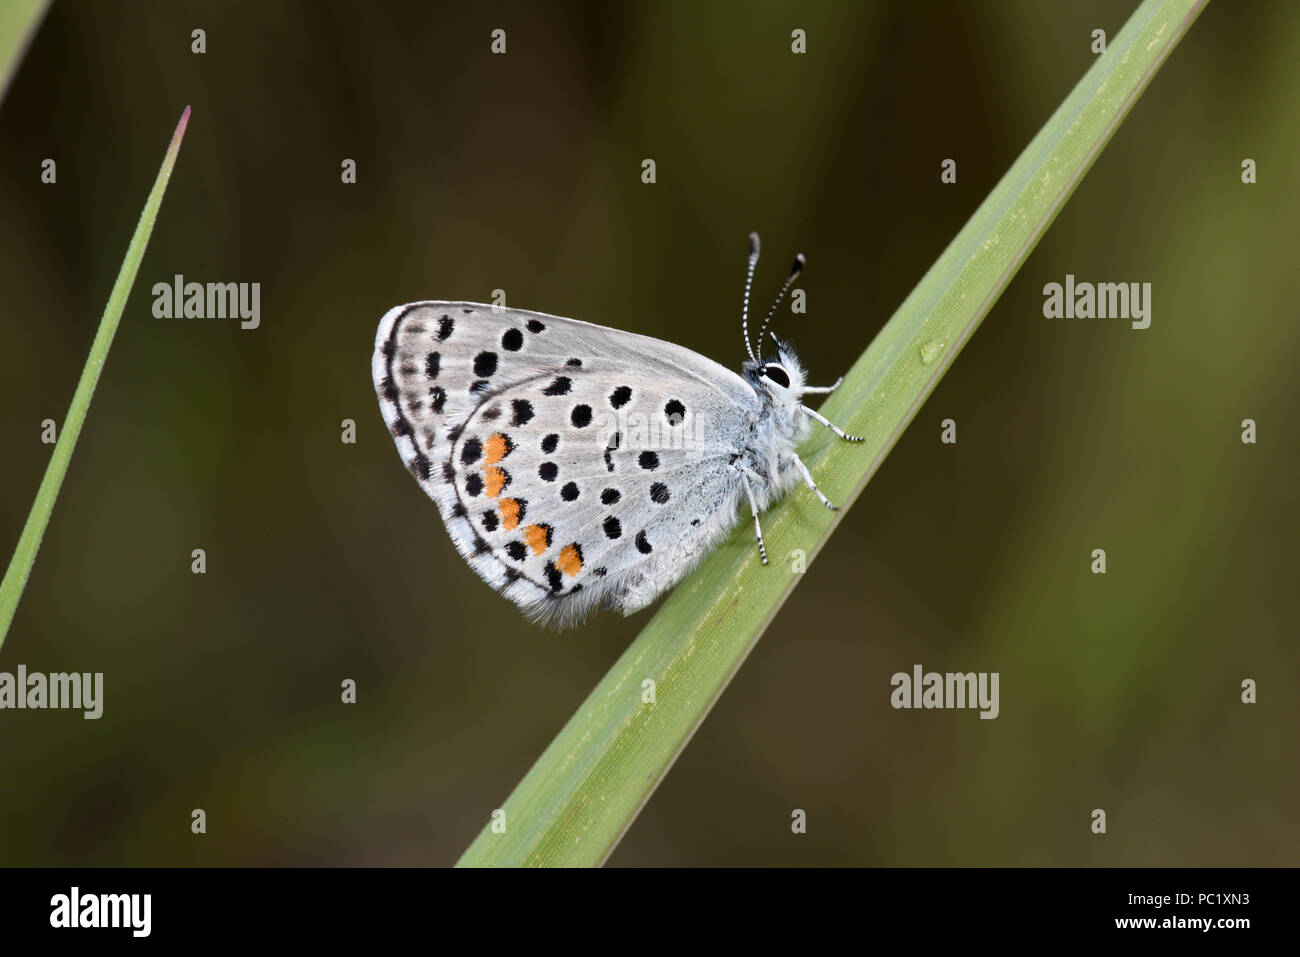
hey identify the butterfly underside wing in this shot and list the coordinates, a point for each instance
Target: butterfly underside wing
(574, 465)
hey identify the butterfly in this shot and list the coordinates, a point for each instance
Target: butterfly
(578, 466)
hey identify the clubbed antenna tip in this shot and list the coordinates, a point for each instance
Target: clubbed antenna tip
(749, 281)
(795, 269)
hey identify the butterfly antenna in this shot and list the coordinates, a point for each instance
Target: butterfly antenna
(749, 281)
(797, 268)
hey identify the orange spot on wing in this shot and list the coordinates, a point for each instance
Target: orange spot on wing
(537, 537)
(570, 560)
(495, 479)
(509, 509)
(495, 448)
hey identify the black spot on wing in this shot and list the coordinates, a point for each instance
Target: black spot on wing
(420, 467)
(560, 386)
(522, 411)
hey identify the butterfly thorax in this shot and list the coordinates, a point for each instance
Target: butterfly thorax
(779, 426)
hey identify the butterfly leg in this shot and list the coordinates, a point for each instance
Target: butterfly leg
(823, 389)
(807, 477)
(753, 507)
(834, 428)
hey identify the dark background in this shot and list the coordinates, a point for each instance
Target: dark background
(522, 172)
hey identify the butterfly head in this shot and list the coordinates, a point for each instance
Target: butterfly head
(780, 378)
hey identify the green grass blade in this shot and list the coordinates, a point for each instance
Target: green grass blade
(587, 787)
(19, 20)
(20, 567)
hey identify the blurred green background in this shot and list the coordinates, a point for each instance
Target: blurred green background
(522, 172)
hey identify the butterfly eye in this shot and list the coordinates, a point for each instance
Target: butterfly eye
(777, 375)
